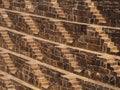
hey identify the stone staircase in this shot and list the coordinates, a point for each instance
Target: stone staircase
(38, 74)
(58, 9)
(9, 63)
(111, 61)
(67, 54)
(4, 34)
(7, 20)
(73, 81)
(95, 11)
(34, 48)
(64, 32)
(29, 5)
(6, 3)
(6, 83)
(31, 24)
(111, 48)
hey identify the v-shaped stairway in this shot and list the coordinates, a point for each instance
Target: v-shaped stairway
(38, 74)
(6, 3)
(113, 63)
(110, 45)
(58, 9)
(4, 34)
(31, 24)
(64, 32)
(7, 20)
(29, 5)
(95, 11)
(67, 54)
(9, 63)
(73, 81)
(35, 49)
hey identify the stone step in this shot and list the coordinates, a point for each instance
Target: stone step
(76, 67)
(118, 72)
(115, 51)
(73, 82)
(45, 82)
(45, 86)
(8, 61)
(10, 64)
(112, 63)
(73, 62)
(68, 55)
(78, 70)
(116, 67)
(113, 47)
(77, 87)
(104, 35)
(106, 39)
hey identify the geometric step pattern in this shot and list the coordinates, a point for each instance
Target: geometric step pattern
(40, 78)
(7, 20)
(58, 9)
(9, 65)
(7, 40)
(67, 54)
(34, 48)
(111, 48)
(6, 83)
(29, 21)
(6, 3)
(62, 30)
(95, 11)
(111, 61)
(63, 71)
(29, 5)
(73, 81)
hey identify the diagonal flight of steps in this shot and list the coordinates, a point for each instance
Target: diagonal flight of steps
(113, 63)
(107, 40)
(29, 21)
(8, 62)
(73, 81)
(70, 58)
(95, 11)
(35, 49)
(4, 34)
(38, 74)
(64, 32)
(58, 9)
